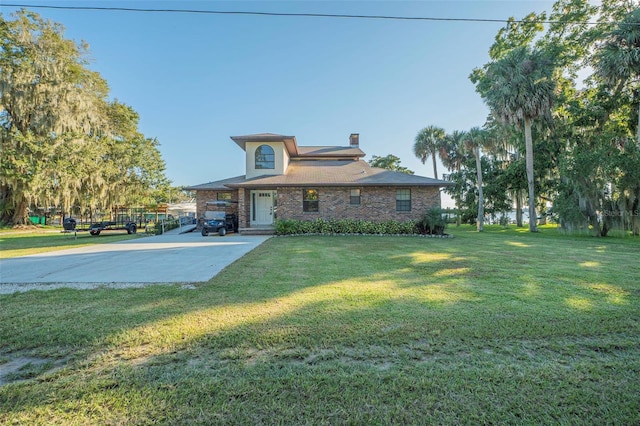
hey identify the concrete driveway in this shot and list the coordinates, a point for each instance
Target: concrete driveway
(169, 258)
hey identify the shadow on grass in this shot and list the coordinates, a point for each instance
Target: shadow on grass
(333, 308)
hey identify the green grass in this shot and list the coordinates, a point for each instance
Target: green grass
(22, 243)
(498, 327)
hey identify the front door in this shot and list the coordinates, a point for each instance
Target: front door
(262, 208)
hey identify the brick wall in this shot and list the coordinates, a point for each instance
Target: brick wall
(244, 206)
(376, 203)
(202, 197)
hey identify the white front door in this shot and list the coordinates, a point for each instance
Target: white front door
(262, 208)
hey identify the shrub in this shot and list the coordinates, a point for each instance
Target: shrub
(344, 226)
(432, 222)
(169, 224)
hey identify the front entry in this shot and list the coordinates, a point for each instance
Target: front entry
(262, 208)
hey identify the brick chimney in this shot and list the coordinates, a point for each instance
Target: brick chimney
(354, 140)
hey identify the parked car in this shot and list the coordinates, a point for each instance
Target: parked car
(220, 223)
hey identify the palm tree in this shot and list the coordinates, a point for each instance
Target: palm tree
(519, 88)
(452, 150)
(503, 143)
(473, 142)
(427, 143)
(617, 61)
(453, 156)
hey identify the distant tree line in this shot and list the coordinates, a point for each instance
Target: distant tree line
(564, 145)
(389, 162)
(63, 143)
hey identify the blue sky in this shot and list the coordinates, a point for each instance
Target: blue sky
(197, 79)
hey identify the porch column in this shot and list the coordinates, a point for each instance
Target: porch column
(242, 209)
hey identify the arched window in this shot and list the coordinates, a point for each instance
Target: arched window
(265, 158)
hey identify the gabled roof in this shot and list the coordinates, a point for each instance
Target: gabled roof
(336, 173)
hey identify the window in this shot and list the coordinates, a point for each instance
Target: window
(354, 197)
(224, 196)
(403, 200)
(265, 158)
(309, 200)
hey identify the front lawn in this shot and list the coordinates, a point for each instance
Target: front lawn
(498, 327)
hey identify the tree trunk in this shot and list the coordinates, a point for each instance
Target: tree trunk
(638, 125)
(20, 214)
(435, 167)
(5, 196)
(458, 204)
(480, 223)
(519, 208)
(635, 214)
(530, 178)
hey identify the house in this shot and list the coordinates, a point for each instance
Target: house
(284, 180)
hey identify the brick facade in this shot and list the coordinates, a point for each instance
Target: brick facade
(244, 205)
(376, 203)
(203, 197)
(333, 171)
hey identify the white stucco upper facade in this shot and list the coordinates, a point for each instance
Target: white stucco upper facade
(281, 159)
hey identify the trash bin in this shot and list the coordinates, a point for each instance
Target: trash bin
(38, 220)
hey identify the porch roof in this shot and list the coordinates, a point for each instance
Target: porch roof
(219, 185)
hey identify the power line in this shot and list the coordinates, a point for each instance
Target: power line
(304, 15)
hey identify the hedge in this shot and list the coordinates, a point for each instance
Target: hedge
(347, 226)
(169, 224)
(431, 223)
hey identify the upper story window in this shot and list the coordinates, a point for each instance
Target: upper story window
(265, 157)
(403, 200)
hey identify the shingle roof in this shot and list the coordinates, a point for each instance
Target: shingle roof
(336, 173)
(219, 185)
(333, 166)
(329, 151)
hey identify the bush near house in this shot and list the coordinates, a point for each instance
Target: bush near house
(166, 225)
(432, 223)
(344, 226)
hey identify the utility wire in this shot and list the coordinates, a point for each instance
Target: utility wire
(306, 15)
